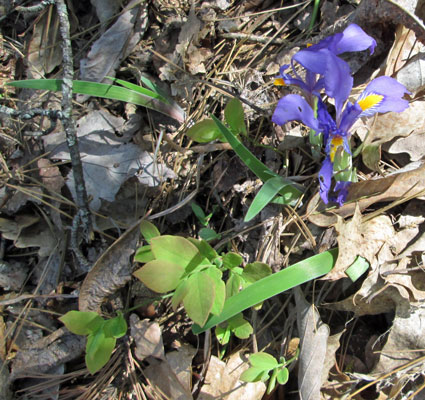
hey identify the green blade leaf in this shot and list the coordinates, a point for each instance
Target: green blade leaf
(98, 350)
(148, 230)
(357, 268)
(82, 322)
(297, 274)
(204, 131)
(107, 91)
(263, 360)
(161, 276)
(140, 89)
(235, 118)
(199, 298)
(266, 194)
(115, 327)
(290, 192)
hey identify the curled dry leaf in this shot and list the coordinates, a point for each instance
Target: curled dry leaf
(393, 187)
(314, 337)
(110, 272)
(222, 380)
(357, 238)
(58, 348)
(50, 175)
(114, 45)
(414, 145)
(147, 337)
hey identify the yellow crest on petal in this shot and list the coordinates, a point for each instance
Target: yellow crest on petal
(369, 101)
(279, 82)
(336, 142)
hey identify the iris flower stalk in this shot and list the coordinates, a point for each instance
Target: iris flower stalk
(324, 70)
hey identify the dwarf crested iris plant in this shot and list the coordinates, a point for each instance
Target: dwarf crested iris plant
(328, 73)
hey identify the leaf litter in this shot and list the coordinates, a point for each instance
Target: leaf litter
(195, 53)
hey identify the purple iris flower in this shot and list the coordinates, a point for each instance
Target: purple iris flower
(322, 64)
(383, 94)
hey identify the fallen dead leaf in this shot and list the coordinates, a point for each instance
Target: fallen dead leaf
(405, 339)
(108, 160)
(357, 238)
(222, 380)
(111, 271)
(114, 45)
(50, 175)
(44, 51)
(147, 337)
(58, 348)
(314, 336)
(414, 145)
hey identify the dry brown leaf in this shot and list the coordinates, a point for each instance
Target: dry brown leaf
(163, 379)
(314, 336)
(44, 51)
(110, 272)
(50, 175)
(147, 337)
(222, 380)
(414, 145)
(180, 362)
(58, 348)
(357, 238)
(365, 193)
(405, 338)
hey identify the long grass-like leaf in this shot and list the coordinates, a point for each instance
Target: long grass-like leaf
(149, 99)
(289, 191)
(265, 195)
(295, 275)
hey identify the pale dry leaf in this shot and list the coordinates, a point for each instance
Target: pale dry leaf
(333, 345)
(397, 275)
(180, 362)
(357, 238)
(314, 336)
(412, 75)
(391, 125)
(106, 9)
(44, 50)
(58, 348)
(111, 271)
(114, 45)
(405, 339)
(50, 175)
(404, 47)
(12, 275)
(163, 379)
(147, 337)
(29, 231)
(222, 380)
(108, 160)
(414, 145)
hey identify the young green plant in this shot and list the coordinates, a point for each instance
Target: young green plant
(101, 335)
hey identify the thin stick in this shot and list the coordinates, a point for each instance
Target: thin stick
(83, 214)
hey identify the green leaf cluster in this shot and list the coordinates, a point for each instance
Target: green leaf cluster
(194, 271)
(261, 366)
(101, 335)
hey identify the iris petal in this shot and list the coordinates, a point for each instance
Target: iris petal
(391, 92)
(354, 38)
(325, 179)
(293, 107)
